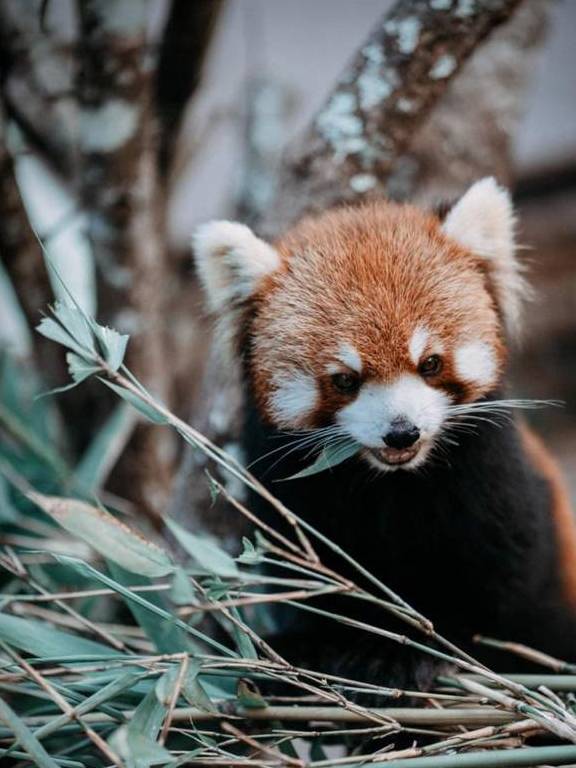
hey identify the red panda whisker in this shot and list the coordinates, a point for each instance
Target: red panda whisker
(312, 448)
(296, 443)
(496, 405)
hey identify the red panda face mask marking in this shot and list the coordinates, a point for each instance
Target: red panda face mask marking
(370, 322)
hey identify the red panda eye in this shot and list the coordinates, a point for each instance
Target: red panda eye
(431, 366)
(346, 383)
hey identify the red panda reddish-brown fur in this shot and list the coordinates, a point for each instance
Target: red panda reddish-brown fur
(384, 324)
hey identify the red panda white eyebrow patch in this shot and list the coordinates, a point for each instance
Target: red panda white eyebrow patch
(293, 397)
(349, 356)
(418, 343)
(475, 362)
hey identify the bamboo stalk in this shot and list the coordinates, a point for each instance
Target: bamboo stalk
(501, 758)
(404, 715)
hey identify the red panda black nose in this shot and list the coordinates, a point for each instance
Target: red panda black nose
(402, 434)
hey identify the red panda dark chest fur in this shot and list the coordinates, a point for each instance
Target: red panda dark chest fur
(385, 327)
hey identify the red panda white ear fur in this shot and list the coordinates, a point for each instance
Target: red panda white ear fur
(230, 261)
(483, 222)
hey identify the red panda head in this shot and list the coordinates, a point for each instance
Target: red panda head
(373, 319)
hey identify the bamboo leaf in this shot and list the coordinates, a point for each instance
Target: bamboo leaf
(147, 410)
(166, 636)
(143, 731)
(205, 551)
(193, 690)
(8, 512)
(79, 368)
(244, 643)
(102, 453)
(75, 323)
(52, 330)
(148, 716)
(41, 640)
(119, 685)
(137, 750)
(329, 457)
(113, 345)
(105, 534)
(136, 742)
(25, 737)
(250, 555)
(133, 598)
(182, 592)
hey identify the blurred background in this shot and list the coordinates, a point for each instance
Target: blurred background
(124, 124)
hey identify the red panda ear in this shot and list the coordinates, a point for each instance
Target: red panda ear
(483, 222)
(230, 261)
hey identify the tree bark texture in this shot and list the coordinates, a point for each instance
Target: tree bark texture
(415, 115)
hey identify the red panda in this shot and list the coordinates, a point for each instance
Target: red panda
(388, 325)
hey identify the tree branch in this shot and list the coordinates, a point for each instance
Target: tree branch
(380, 100)
(183, 50)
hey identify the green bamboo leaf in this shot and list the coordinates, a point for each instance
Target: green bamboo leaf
(41, 640)
(113, 345)
(102, 453)
(79, 368)
(137, 750)
(205, 551)
(147, 410)
(110, 691)
(8, 512)
(194, 691)
(317, 750)
(166, 636)
(52, 329)
(75, 323)
(182, 592)
(165, 685)
(250, 555)
(136, 742)
(134, 599)
(25, 737)
(329, 457)
(33, 442)
(105, 534)
(148, 716)
(244, 643)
